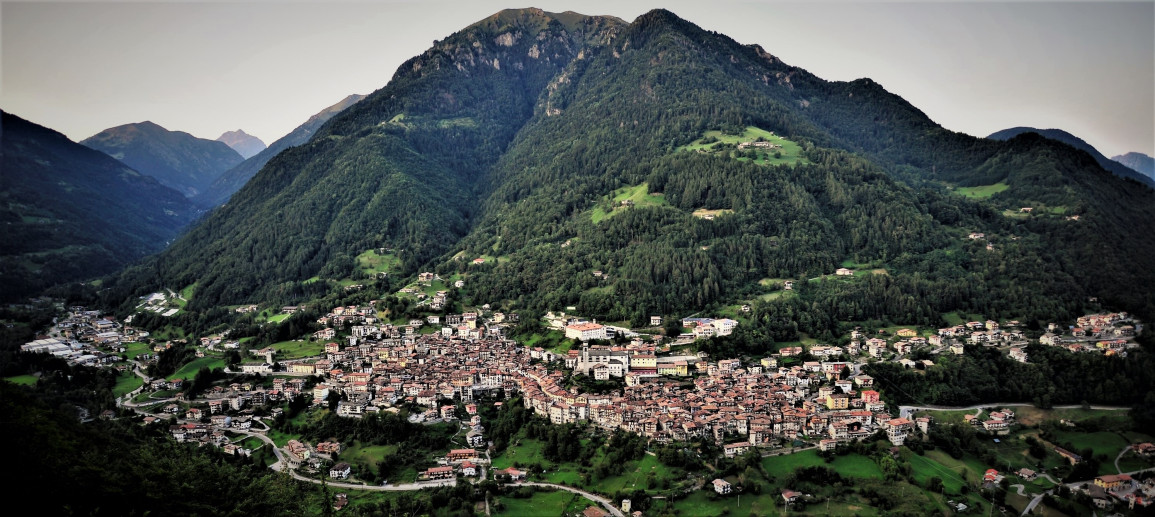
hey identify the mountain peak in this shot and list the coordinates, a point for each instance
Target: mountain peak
(243, 143)
(1065, 137)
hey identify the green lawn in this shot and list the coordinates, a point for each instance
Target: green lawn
(946, 417)
(1132, 462)
(368, 455)
(923, 468)
(982, 191)
(372, 263)
(850, 465)
(1104, 442)
(23, 380)
(524, 452)
(281, 438)
(297, 349)
(552, 503)
(135, 348)
(956, 318)
(552, 340)
(790, 152)
(640, 195)
(186, 294)
(973, 467)
(126, 382)
(190, 370)
(636, 475)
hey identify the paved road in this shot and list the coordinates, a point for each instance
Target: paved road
(1039, 498)
(606, 503)
(1119, 457)
(353, 486)
(905, 411)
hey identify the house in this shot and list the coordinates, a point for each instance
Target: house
(1018, 354)
(469, 468)
(995, 426)
(340, 471)
(439, 473)
(1027, 474)
(790, 496)
(722, 486)
(844, 272)
(1113, 482)
(735, 449)
(456, 455)
(992, 476)
(655, 321)
(514, 474)
(1070, 456)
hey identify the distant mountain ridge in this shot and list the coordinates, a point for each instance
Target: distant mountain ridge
(1137, 161)
(233, 179)
(243, 143)
(1113, 166)
(176, 159)
(69, 212)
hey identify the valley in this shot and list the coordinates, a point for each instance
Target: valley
(564, 264)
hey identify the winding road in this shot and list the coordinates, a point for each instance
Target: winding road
(905, 411)
(606, 503)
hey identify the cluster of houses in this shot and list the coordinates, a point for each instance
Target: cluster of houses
(1108, 334)
(84, 337)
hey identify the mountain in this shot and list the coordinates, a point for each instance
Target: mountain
(1114, 166)
(236, 177)
(73, 213)
(693, 172)
(176, 159)
(243, 143)
(1138, 162)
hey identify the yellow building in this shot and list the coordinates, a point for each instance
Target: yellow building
(837, 401)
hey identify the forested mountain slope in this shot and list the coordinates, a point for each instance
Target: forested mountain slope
(398, 168)
(233, 179)
(71, 213)
(1113, 166)
(691, 171)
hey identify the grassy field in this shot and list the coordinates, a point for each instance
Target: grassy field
(971, 466)
(955, 318)
(923, 468)
(372, 263)
(1104, 442)
(701, 213)
(552, 504)
(126, 382)
(190, 370)
(790, 152)
(1131, 462)
(636, 476)
(982, 191)
(552, 340)
(135, 348)
(368, 455)
(850, 465)
(23, 380)
(1028, 415)
(297, 349)
(281, 438)
(640, 195)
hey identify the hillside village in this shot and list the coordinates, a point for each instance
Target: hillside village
(441, 362)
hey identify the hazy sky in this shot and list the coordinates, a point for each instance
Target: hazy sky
(266, 66)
